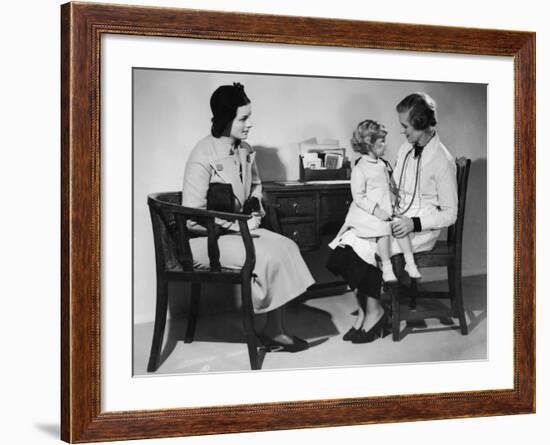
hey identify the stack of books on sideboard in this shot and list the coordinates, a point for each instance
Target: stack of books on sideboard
(323, 161)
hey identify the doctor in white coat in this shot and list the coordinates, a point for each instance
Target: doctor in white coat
(280, 273)
(426, 201)
(425, 174)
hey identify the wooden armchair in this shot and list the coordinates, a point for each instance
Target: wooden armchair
(174, 262)
(444, 254)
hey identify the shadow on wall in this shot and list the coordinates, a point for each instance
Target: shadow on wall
(269, 163)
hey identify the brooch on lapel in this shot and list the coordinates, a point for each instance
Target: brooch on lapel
(219, 167)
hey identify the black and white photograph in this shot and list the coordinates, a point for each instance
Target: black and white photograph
(292, 222)
(208, 206)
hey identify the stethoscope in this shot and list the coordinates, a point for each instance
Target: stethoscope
(395, 210)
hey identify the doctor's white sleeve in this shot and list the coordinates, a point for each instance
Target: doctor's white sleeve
(448, 200)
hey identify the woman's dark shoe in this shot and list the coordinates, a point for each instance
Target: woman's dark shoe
(348, 336)
(272, 345)
(377, 331)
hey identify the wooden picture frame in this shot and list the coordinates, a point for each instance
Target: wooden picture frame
(82, 26)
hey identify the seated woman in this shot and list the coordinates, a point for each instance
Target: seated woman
(280, 273)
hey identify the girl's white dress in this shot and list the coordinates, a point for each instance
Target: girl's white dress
(370, 187)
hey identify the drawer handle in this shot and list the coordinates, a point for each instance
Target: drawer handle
(295, 206)
(295, 235)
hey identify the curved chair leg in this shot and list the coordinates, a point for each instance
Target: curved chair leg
(248, 323)
(193, 312)
(414, 293)
(395, 288)
(460, 302)
(455, 291)
(451, 279)
(395, 311)
(160, 324)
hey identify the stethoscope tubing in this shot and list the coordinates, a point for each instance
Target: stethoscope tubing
(417, 175)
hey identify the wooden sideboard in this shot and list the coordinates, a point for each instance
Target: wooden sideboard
(310, 214)
(305, 212)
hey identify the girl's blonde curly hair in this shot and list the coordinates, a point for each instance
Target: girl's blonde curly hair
(366, 134)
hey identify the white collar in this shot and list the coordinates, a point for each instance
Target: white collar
(430, 149)
(224, 146)
(369, 159)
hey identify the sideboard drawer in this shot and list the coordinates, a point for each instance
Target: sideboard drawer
(303, 234)
(302, 205)
(335, 204)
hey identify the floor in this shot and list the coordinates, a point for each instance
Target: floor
(219, 343)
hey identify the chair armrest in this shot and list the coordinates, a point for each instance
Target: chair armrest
(199, 213)
(178, 229)
(214, 248)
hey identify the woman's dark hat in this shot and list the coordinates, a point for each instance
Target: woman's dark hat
(224, 103)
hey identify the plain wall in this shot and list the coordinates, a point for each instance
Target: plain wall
(171, 113)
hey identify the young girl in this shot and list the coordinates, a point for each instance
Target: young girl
(368, 220)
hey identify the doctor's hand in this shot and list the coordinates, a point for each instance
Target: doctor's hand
(401, 226)
(381, 214)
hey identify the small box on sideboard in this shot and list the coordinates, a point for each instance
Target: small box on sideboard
(324, 174)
